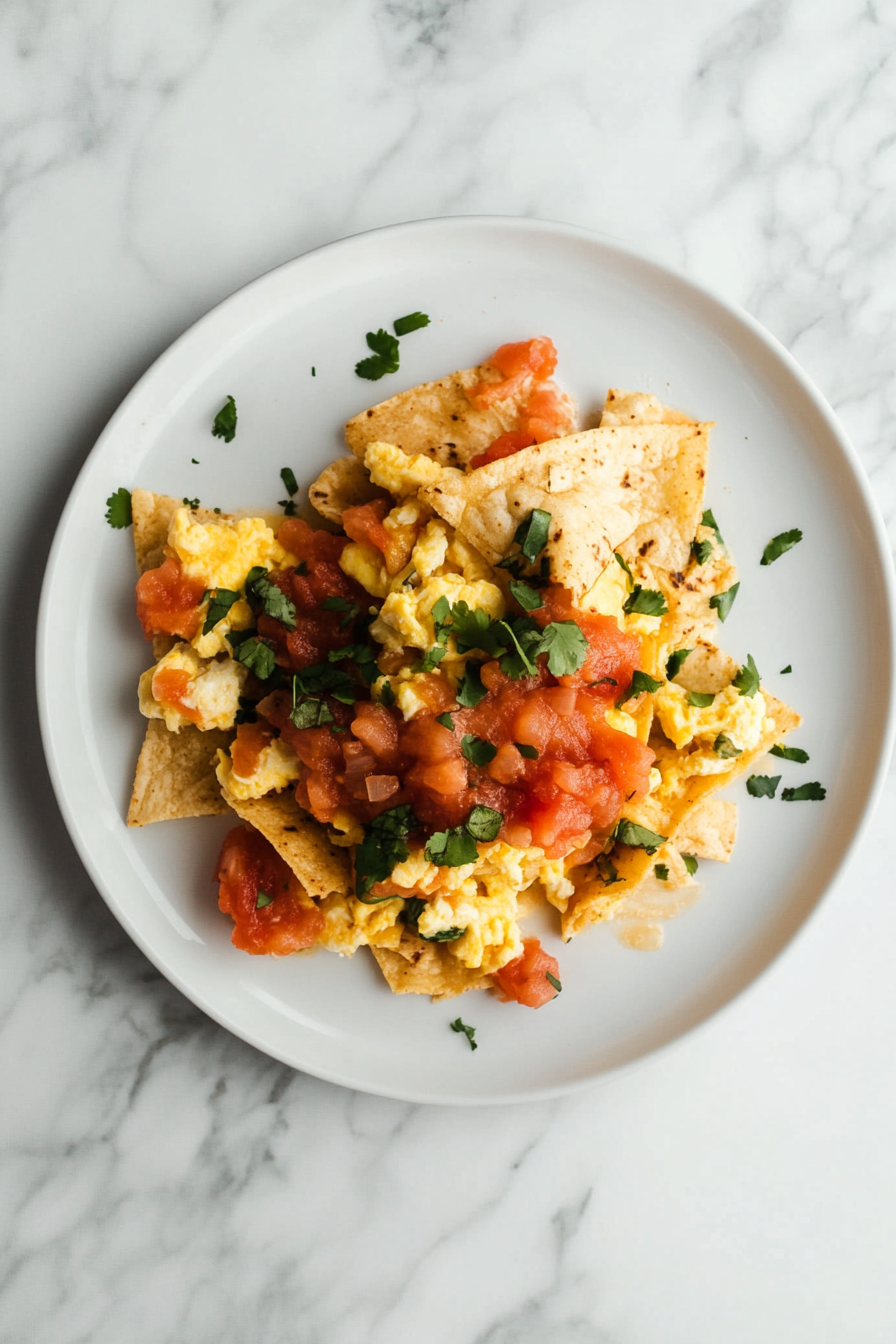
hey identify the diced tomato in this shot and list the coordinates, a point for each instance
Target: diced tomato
(525, 979)
(375, 727)
(519, 362)
(170, 686)
(505, 445)
(168, 602)
(364, 524)
(546, 413)
(249, 870)
(251, 740)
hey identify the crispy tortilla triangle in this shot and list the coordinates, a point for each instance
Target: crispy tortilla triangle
(638, 484)
(709, 831)
(175, 775)
(302, 842)
(439, 420)
(427, 968)
(340, 486)
(595, 900)
(640, 408)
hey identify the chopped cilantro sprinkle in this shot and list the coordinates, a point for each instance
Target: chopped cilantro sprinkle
(118, 508)
(451, 849)
(805, 793)
(288, 477)
(220, 603)
(784, 541)
(524, 749)
(264, 595)
(476, 750)
(701, 551)
(763, 786)
(709, 521)
(471, 690)
(690, 862)
(661, 871)
(527, 597)
(725, 748)
(645, 602)
(700, 699)
(191, 503)
(674, 662)
(789, 753)
(621, 561)
(224, 426)
(384, 845)
(553, 981)
(412, 322)
(384, 358)
(446, 721)
(747, 679)
(641, 682)
(532, 534)
(785, 670)
(723, 602)
(484, 822)
(262, 899)
(638, 837)
(470, 1032)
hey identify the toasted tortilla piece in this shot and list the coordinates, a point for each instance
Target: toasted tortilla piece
(439, 420)
(594, 899)
(152, 516)
(340, 486)
(709, 831)
(427, 968)
(302, 842)
(175, 774)
(642, 485)
(707, 669)
(640, 408)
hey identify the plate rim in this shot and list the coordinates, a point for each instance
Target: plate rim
(610, 246)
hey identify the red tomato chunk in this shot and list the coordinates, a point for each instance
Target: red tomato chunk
(167, 602)
(250, 870)
(525, 979)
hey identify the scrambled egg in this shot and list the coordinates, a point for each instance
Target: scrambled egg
(212, 692)
(222, 552)
(406, 617)
(398, 472)
(277, 767)
(738, 716)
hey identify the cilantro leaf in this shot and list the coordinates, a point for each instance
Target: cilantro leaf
(724, 747)
(527, 597)
(620, 561)
(526, 640)
(451, 849)
(351, 609)
(476, 750)
(469, 1032)
(431, 659)
(446, 721)
(260, 592)
(747, 679)
(221, 602)
(784, 541)
(690, 862)
(362, 656)
(763, 786)
(262, 899)
(288, 506)
(661, 871)
(701, 551)
(607, 870)
(224, 426)
(254, 653)
(723, 602)
(524, 749)
(553, 981)
(484, 823)
(789, 753)
(384, 359)
(805, 793)
(674, 662)
(387, 695)
(645, 602)
(785, 670)
(709, 521)
(441, 619)
(443, 935)
(191, 503)
(377, 900)
(565, 645)
(640, 683)
(288, 477)
(118, 508)
(311, 713)
(325, 679)
(471, 690)
(384, 845)
(474, 629)
(700, 699)
(532, 534)
(412, 322)
(638, 837)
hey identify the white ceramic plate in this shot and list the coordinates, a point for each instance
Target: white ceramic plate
(778, 460)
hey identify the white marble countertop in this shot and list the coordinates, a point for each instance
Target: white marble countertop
(160, 1181)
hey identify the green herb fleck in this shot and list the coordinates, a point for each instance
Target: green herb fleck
(700, 699)
(747, 679)
(288, 477)
(431, 659)
(384, 845)
(221, 601)
(723, 602)
(709, 521)
(674, 662)
(645, 602)
(690, 862)
(553, 981)
(607, 870)
(387, 695)
(524, 749)
(661, 871)
(476, 750)
(118, 508)
(527, 597)
(763, 786)
(484, 823)
(784, 541)
(351, 609)
(384, 358)
(566, 647)
(532, 534)
(260, 592)
(620, 561)
(311, 713)
(638, 837)
(262, 899)
(413, 322)
(254, 653)
(191, 503)
(471, 690)
(446, 721)
(805, 793)
(725, 748)
(641, 682)
(469, 1032)
(224, 426)
(451, 849)
(785, 670)
(701, 551)
(790, 753)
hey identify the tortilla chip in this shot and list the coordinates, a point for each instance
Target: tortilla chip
(302, 842)
(152, 516)
(427, 968)
(439, 420)
(340, 486)
(709, 831)
(707, 670)
(175, 774)
(640, 408)
(641, 485)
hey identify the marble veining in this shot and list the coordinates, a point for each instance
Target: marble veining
(161, 1181)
